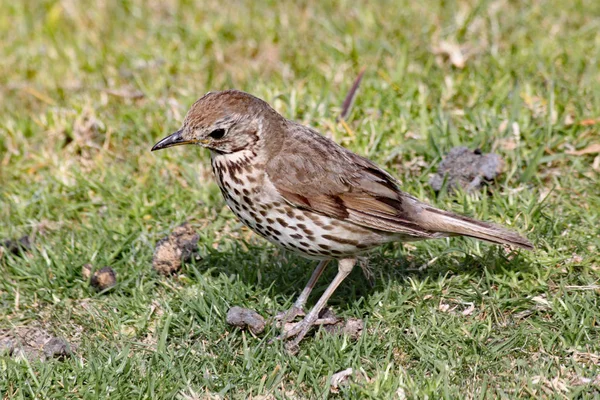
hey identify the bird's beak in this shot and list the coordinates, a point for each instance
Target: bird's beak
(174, 139)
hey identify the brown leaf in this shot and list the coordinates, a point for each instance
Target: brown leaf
(592, 148)
(590, 121)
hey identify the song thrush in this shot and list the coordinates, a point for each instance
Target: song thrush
(306, 193)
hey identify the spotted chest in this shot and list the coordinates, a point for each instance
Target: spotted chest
(254, 200)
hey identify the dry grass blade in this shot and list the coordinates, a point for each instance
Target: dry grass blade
(349, 100)
(591, 149)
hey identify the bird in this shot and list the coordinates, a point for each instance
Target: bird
(304, 192)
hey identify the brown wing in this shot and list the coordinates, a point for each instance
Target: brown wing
(315, 173)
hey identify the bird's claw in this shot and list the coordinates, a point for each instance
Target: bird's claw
(290, 315)
(298, 330)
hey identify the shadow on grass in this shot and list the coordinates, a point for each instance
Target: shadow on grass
(283, 275)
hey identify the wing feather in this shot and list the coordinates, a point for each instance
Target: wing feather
(314, 173)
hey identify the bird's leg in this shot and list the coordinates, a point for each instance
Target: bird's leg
(301, 329)
(298, 307)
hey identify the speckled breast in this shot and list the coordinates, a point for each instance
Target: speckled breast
(254, 200)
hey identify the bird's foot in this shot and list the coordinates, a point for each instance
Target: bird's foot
(290, 315)
(298, 330)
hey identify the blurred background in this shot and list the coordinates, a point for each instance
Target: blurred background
(87, 87)
(130, 69)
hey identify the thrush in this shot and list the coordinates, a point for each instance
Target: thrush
(309, 195)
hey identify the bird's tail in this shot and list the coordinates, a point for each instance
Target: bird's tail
(453, 224)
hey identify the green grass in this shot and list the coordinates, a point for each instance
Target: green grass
(477, 322)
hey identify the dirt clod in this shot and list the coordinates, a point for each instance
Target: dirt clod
(57, 348)
(104, 278)
(353, 327)
(469, 170)
(243, 317)
(172, 250)
(33, 343)
(335, 325)
(15, 246)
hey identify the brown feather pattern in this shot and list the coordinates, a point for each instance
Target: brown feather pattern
(339, 183)
(315, 173)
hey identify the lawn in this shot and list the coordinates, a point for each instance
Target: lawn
(86, 89)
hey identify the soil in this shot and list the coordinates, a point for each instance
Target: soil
(33, 343)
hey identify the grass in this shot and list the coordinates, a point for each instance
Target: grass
(86, 89)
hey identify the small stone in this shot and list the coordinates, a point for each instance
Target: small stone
(243, 317)
(57, 348)
(32, 343)
(86, 271)
(104, 278)
(469, 170)
(172, 250)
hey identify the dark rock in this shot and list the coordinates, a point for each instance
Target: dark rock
(57, 348)
(243, 317)
(328, 314)
(466, 169)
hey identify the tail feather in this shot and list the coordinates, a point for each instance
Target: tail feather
(443, 221)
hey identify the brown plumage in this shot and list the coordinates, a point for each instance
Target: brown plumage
(310, 195)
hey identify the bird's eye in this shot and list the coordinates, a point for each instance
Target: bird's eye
(217, 133)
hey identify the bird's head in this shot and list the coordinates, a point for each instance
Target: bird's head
(225, 122)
